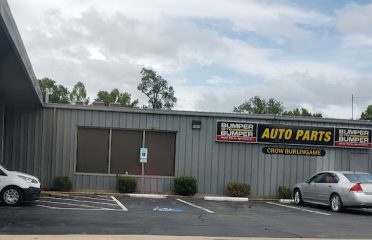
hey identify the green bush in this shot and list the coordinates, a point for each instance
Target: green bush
(62, 183)
(185, 185)
(236, 189)
(127, 184)
(284, 192)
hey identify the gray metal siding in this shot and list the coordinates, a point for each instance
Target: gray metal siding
(2, 123)
(42, 141)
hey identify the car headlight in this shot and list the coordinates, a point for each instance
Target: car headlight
(27, 179)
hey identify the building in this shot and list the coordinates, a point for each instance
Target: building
(92, 144)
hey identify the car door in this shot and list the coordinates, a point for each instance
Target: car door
(310, 191)
(326, 187)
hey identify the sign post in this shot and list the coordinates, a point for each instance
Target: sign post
(143, 160)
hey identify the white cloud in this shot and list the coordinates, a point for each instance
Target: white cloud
(106, 45)
(216, 80)
(355, 19)
(354, 22)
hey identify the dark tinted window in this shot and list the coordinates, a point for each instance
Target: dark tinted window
(125, 148)
(92, 150)
(359, 177)
(161, 153)
(2, 173)
(319, 178)
(331, 178)
(3, 167)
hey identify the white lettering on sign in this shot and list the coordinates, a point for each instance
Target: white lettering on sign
(237, 125)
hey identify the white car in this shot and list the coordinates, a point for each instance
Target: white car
(16, 187)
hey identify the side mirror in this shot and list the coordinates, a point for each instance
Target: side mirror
(308, 181)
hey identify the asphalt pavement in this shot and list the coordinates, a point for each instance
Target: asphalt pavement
(181, 217)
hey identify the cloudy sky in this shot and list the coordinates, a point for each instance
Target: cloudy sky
(216, 53)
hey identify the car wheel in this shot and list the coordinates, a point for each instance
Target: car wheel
(336, 203)
(298, 197)
(11, 196)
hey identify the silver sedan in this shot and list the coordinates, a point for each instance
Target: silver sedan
(337, 189)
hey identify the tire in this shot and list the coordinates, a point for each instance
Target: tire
(11, 196)
(335, 203)
(297, 197)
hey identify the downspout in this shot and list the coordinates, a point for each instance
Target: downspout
(53, 155)
(2, 132)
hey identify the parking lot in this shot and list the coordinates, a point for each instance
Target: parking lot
(96, 214)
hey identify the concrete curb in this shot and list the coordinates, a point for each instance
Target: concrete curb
(264, 200)
(194, 197)
(226, 199)
(67, 194)
(136, 237)
(162, 196)
(286, 201)
(54, 194)
(139, 195)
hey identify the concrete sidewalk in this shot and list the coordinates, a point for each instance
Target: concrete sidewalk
(136, 237)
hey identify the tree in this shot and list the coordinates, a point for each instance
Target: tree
(59, 93)
(161, 96)
(115, 96)
(79, 93)
(367, 114)
(257, 105)
(303, 112)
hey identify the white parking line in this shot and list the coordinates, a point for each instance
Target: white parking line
(77, 200)
(70, 204)
(82, 209)
(301, 209)
(119, 203)
(196, 206)
(94, 198)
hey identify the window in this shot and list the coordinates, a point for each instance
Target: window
(319, 178)
(93, 150)
(3, 167)
(125, 148)
(161, 153)
(95, 155)
(359, 177)
(331, 178)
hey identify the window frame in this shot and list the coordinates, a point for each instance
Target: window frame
(174, 153)
(110, 152)
(311, 180)
(76, 150)
(110, 139)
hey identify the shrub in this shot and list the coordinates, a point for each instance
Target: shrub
(185, 185)
(126, 184)
(236, 189)
(62, 183)
(284, 192)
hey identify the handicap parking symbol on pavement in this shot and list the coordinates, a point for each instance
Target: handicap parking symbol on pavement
(159, 209)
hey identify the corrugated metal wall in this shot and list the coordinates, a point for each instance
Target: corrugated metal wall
(2, 116)
(42, 141)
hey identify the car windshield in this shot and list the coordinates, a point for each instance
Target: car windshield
(359, 177)
(1, 165)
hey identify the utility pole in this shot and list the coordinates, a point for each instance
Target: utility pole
(47, 93)
(352, 107)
